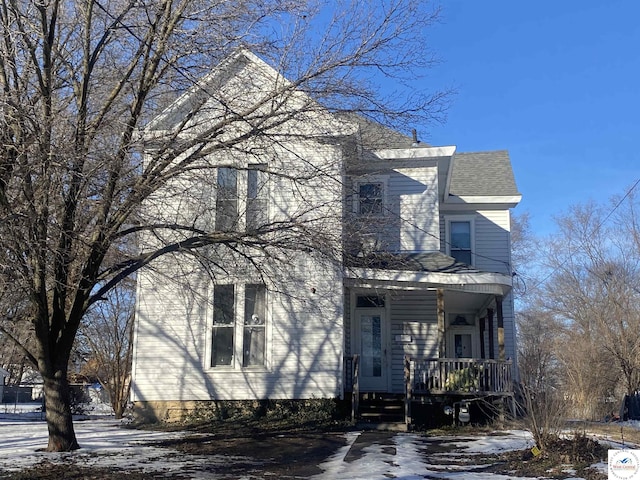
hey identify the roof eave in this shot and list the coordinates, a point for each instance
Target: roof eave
(478, 282)
(414, 152)
(509, 201)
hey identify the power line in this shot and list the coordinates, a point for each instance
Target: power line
(595, 230)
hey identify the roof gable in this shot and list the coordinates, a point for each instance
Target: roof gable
(244, 93)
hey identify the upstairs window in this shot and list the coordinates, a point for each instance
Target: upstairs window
(460, 241)
(257, 196)
(227, 199)
(371, 198)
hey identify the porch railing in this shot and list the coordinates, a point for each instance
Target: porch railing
(458, 376)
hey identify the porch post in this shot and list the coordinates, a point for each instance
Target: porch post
(483, 324)
(501, 352)
(407, 392)
(492, 352)
(440, 315)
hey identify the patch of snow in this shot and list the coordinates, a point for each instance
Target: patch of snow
(503, 442)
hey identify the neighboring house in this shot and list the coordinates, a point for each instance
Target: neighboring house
(415, 303)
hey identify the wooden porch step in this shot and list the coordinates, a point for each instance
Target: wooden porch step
(381, 408)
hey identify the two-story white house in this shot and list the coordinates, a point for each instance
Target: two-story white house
(398, 283)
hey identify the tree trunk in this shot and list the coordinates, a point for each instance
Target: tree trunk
(57, 396)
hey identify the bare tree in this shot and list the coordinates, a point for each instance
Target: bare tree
(541, 374)
(80, 79)
(106, 333)
(524, 257)
(592, 288)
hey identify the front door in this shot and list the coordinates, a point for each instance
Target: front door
(462, 345)
(462, 342)
(371, 345)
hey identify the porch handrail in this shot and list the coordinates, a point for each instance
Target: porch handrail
(460, 375)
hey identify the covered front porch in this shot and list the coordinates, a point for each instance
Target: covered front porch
(419, 335)
(424, 379)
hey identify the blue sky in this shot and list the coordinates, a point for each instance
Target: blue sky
(557, 83)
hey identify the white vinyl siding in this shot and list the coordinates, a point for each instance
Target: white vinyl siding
(415, 197)
(492, 241)
(409, 222)
(304, 324)
(490, 238)
(413, 315)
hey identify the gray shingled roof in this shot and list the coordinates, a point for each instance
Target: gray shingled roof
(374, 135)
(482, 174)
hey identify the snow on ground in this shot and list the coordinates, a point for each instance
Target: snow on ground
(105, 443)
(405, 458)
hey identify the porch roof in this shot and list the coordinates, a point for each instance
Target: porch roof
(423, 271)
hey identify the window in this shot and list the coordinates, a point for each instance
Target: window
(227, 198)
(223, 325)
(257, 196)
(370, 301)
(460, 241)
(370, 198)
(239, 327)
(254, 339)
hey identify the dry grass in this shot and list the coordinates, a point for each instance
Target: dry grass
(613, 432)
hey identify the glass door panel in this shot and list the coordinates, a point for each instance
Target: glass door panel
(371, 344)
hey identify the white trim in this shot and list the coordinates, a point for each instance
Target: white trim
(415, 152)
(511, 200)
(488, 282)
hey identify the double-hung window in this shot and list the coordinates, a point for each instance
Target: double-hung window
(460, 241)
(257, 196)
(238, 338)
(370, 199)
(242, 188)
(227, 198)
(254, 338)
(223, 325)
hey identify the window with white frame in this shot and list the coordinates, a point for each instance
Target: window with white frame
(254, 335)
(257, 196)
(223, 325)
(227, 198)
(238, 338)
(370, 198)
(461, 240)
